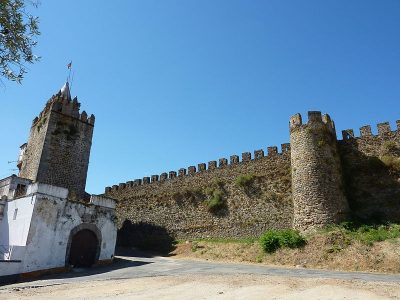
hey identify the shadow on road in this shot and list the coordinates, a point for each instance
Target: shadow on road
(117, 264)
(135, 252)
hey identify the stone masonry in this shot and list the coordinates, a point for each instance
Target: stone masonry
(312, 182)
(59, 145)
(317, 185)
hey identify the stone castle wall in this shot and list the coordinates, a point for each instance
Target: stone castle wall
(362, 170)
(33, 153)
(179, 203)
(62, 167)
(318, 192)
(371, 169)
(59, 145)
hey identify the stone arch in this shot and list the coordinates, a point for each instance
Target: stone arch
(84, 226)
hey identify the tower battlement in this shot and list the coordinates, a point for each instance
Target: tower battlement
(314, 118)
(58, 149)
(62, 103)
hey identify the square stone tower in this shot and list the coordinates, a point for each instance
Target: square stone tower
(58, 149)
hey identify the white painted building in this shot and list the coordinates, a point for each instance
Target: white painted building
(40, 230)
(43, 228)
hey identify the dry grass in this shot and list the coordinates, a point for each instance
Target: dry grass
(327, 251)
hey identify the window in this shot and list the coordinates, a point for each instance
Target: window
(20, 190)
(15, 214)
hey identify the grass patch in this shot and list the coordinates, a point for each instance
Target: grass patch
(272, 240)
(225, 240)
(215, 201)
(245, 180)
(368, 234)
(215, 196)
(41, 123)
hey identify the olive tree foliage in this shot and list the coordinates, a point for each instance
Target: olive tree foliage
(18, 33)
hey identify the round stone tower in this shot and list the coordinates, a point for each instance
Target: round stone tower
(318, 193)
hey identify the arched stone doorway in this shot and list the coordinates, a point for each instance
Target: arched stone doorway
(83, 247)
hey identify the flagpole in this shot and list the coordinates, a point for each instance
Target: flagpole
(69, 66)
(72, 81)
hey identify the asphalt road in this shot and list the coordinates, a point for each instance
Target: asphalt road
(125, 267)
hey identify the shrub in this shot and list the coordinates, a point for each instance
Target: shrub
(367, 234)
(215, 202)
(272, 240)
(215, 194)
(245, 180)
(370, 234)
(291, 238)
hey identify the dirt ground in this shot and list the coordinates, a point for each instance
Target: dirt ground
(320, 253)
(209, 287)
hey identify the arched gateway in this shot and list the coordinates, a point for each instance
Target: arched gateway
(83, 248)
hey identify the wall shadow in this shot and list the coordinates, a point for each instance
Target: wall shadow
(145, 236)
(371, 184)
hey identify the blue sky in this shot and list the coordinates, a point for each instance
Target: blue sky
(176, 83)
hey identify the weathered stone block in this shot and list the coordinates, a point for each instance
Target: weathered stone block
(129, 183)
(163, 176)
(223, 162)
(246, 156)
(272, 150)
(192, 170)
(212, 165)
(384, 128)
(202, 167)
(365, 131)
(181, 172)
(234, 159)
(285, 147)
(258, 154)
(348, 134)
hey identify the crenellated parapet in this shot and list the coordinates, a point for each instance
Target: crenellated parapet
(62, 103)
(383, 130)
(213, 165)
(315, 118)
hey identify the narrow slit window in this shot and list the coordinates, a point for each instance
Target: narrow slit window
(15, 214)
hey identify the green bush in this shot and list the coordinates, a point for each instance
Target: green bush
(367, 234)
(245, 180)
(370, 234)
(215, 194)
(272, 240)
(215, 202)
(291, 239)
